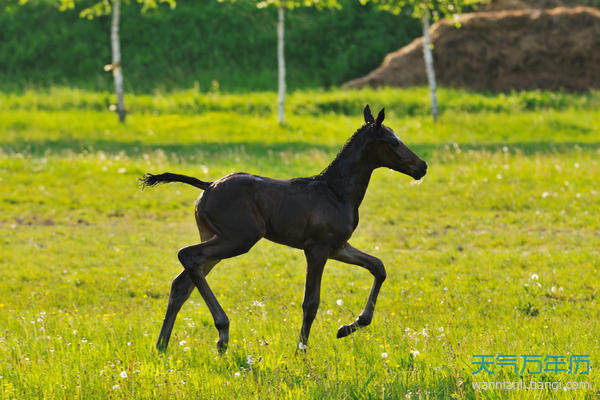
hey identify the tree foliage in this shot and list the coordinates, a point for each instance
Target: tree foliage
(291, 4)
(418, 8)
(104, 7)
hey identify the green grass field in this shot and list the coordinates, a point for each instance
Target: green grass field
(495, 252)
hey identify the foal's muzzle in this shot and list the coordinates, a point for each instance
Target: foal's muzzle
(419, 170)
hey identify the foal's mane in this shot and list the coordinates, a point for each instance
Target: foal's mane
(337, 167)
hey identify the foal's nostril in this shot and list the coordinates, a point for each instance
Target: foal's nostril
(420, 170)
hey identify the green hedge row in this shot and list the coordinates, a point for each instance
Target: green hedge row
(201, 43)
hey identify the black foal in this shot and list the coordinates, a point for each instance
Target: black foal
(316, 214)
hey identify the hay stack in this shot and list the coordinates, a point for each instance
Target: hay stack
(552, 49)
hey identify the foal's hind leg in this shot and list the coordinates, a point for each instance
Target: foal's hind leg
(350, 255)
(181, 288)
(196, 258)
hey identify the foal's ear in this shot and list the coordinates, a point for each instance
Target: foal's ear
(368, 116)
(380, 117)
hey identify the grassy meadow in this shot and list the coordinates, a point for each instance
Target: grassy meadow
(495, 252)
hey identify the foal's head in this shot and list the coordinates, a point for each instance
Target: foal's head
(384, 149)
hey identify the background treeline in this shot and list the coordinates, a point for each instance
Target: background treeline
(201, 43)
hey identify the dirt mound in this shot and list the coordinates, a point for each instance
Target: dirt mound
(502, 50)
(496, 5)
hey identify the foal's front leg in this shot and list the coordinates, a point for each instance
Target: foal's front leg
(316, 257)
(350, 255)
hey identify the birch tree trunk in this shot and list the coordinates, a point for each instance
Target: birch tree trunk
(281, 65)
(429, 68)
(116, 59)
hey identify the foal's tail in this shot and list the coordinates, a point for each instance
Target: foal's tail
(151, 180)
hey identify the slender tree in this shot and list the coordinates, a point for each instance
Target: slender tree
(115, 44)
(282, 7)
(113, 7)
(280, 64)
(426, 10)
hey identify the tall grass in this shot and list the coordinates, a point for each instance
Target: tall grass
(406, 102)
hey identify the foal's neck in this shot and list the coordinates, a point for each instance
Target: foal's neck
(349, 173)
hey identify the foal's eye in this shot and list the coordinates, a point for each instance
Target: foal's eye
(391, 141)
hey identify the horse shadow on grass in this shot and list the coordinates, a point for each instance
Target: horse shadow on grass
(192, 150)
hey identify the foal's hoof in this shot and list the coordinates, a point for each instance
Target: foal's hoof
(221, 346)
(301, 348)
(161, 346)
(345, 330)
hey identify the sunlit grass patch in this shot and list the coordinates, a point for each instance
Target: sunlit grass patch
(494, 252)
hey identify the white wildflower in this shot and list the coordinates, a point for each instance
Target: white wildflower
(257, 303)
(250, 360)
(116, 387)
(384, 355)
(123, 374)
(301, 346)
(339, 302)
(182, 343)
(534, 277)
(415, 352)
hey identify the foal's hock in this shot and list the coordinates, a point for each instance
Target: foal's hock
(316, 214)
